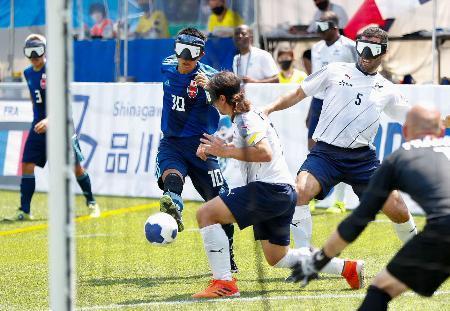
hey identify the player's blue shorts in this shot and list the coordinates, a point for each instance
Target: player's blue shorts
(331, 165)
(268, 207)
(180, 153)
(35, 149)
(315, 110)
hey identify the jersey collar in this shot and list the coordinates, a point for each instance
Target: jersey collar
(365, 73)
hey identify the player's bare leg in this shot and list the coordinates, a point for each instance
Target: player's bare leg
(397, 211)
(84, 182)
(384, 287)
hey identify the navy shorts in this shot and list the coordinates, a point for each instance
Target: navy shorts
(268, 207)
(35, 149)
(423, 263)
(331, 165)
(180, 153)
(315, 110)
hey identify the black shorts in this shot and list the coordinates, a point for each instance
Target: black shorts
(423, 264)
(268, 207)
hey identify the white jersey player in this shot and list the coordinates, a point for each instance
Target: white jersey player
(266, 202)
(355, 96)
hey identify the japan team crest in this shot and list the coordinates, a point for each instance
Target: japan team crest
(43, 82)
(192, 89)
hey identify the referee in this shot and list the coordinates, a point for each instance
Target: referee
(420, 168)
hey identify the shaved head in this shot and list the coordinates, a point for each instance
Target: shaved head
(422, 121)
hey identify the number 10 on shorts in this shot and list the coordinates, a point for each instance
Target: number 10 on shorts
(216, 176)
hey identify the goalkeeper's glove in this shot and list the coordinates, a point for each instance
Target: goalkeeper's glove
(308, 267)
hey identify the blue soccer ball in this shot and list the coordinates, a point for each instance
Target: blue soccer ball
(161, 229)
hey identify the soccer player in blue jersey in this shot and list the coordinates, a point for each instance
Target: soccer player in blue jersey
(34, 153)
(186, 115)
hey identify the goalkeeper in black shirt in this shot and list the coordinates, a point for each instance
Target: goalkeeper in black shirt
(421, 168)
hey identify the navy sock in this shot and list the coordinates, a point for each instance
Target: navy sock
(376, 299)
(27, 186)
(85, 184)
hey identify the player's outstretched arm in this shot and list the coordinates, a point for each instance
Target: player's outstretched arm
(288, 100)
(260, 152)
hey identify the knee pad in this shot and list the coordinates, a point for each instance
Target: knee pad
(173, 183)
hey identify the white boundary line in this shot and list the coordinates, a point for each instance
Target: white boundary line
(233, 300)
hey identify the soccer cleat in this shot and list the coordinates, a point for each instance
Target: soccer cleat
(20, 216)
(94, 209)
(218, 289)
(338, 207)
(166, 205)
(312, 205)
(354, 273)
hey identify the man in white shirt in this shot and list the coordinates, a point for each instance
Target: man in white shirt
(252, 64)
(355, 94)
(326, 5)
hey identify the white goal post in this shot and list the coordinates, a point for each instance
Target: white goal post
(61, 225)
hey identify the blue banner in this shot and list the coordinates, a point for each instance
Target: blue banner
(94, 59)
(26, 13)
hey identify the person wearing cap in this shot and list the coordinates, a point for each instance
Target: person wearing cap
(103, 26)
(355, 95)
(186, 116)
(34, 152)
(252, 64)
(288, 73)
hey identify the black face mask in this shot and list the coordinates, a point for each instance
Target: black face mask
(218, 10)
(285, 64)
(323, 5)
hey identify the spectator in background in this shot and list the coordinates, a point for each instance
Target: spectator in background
(103, 26)
(326, 5)
(222, 21)
(306, 59)
(252, 64)
(153, 23)
(285, 58)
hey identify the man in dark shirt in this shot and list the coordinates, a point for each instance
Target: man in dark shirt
(421, 168)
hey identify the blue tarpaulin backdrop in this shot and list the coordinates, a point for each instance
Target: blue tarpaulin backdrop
(26, 13)
(94, 60)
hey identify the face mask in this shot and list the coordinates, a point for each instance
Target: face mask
(218, 10)
(285, 64)
(323, 5)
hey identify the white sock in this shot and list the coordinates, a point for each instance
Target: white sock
(218, 251)
(292, 257)
(406, 230)
(339, 192)
(335, 266)
(301, 226)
